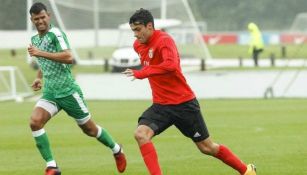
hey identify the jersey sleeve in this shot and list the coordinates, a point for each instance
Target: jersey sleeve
(32, 38)
(170, 61)
(60, 39)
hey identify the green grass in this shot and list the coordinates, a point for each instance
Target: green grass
(217, 51)
(270, 133)
(96, 52)
(236, 51)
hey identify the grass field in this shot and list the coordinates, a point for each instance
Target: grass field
(270, 133)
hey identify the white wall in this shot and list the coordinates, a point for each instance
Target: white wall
(236, 84)
(77, 38)
(14, 39)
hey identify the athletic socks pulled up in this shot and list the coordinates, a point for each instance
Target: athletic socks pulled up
(150, 157)
(42, 143)
(229, 158)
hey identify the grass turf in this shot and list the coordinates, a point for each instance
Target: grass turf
(269, 133)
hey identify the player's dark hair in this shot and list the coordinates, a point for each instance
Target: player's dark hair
(37, 7)
(142, 16)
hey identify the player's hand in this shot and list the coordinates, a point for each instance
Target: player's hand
(37, 84)
(129, 73)
(33, 51)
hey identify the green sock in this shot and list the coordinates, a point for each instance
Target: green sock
(105, 138)
(42, 143)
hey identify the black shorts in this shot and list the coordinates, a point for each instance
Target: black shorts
(185, 116)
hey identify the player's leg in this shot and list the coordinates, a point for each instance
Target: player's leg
(75, 106)
(191, 123)
(143, 135)
(42, 113)
(255, 56)
(102, 135)
(223, 153)
(152, 122)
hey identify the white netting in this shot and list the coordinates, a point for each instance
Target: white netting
(13, 84)
(113, 13)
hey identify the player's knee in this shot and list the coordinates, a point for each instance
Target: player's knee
(36, 124)
(140, 135)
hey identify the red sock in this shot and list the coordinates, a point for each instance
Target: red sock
(150, 157)
(231, 159)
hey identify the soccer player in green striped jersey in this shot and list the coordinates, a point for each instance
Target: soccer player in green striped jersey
(51, 49)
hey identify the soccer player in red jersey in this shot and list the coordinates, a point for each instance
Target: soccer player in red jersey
(174, 103)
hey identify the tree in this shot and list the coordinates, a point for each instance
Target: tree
(12, 14)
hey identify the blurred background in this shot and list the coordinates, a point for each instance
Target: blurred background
(262, 106)
(211, 36)
(231, 15)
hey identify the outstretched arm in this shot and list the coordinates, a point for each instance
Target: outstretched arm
(129, 73)
(62, 57)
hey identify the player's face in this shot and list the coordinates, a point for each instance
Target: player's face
(41, 21)
(142, 32)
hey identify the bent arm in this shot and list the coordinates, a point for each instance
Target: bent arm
(62, 57)
(170, 62)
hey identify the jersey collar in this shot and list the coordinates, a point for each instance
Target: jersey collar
(153, 36)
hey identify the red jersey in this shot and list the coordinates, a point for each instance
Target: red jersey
(161, 65)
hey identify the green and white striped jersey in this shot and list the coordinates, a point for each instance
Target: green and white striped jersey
(57, 77)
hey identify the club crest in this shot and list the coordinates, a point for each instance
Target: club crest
(150, 53)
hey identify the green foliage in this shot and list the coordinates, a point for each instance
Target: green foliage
(234, 15)
(13, 14)
(269, 133)
(230, 15)
(97, 52)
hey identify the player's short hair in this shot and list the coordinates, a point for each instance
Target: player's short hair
(142, 16)
(37, 7)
